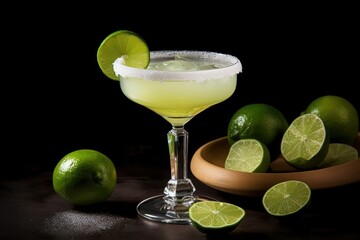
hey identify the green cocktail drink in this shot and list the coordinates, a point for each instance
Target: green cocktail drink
(178, 85)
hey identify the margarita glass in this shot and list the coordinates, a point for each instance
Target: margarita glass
(178, 85)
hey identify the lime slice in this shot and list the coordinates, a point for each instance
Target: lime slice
(213, 217)
(305, 143)
(286, 198)
(124, 44)
(248, 155)
(339, 153)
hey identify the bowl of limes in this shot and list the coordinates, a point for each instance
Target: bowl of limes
(252, 157)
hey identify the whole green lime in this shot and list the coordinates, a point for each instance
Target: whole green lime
(84, 177)
(259, 121)
(340, 117)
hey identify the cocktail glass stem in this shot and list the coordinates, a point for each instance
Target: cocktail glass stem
(179, 189)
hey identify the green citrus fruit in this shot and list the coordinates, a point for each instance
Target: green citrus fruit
(340, 117)
(258, 121)
(287, 198)
(339, 153)
(84, 177)
(213, 217)
(248, 155)
(305, 143)
(125, 45)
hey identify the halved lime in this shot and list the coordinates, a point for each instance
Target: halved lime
(124, 44)
(248, 155)
(305, 143)
(213, 217)
(339, 153)
(286, 198)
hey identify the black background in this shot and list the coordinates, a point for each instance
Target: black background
(55, 99)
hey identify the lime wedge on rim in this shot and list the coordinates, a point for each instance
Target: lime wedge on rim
(214, 217)
(248, 155)
(286, 198)
(339, 153)
(124, 44)
(305, 142)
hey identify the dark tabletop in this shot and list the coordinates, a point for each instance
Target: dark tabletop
(30, 209)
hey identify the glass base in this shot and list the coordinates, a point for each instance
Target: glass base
(156, 208)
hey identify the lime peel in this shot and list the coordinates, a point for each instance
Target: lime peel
(84, 177)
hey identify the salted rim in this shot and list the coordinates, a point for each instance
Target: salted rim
(233, 66)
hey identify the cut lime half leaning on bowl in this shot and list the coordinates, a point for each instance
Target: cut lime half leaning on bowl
(305, 142)
(126, 45)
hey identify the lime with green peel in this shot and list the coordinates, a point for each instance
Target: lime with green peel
(287, 198)
(339, 115)
(339, 153)
(305, 143)
(248, 155)
(84, 177)
(258, 121)
(213, 217)
(125, 45)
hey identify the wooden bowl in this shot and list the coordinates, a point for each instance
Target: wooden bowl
(207, 165)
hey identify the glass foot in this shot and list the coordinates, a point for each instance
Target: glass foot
(157, 209)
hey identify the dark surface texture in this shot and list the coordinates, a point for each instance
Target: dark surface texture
(30, 209)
